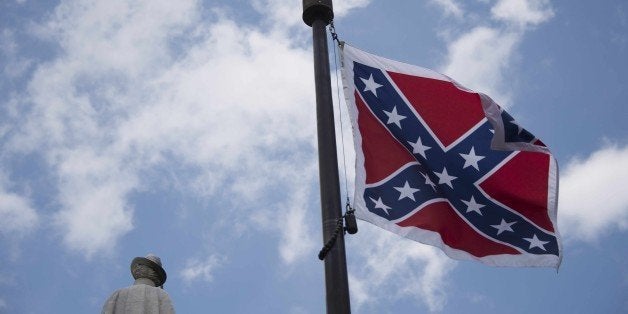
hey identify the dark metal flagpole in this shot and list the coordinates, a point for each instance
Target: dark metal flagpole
(318, 14)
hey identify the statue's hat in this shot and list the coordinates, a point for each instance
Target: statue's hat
(154, 262)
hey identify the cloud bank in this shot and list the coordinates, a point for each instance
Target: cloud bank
(481, 56)
(592, 199)
(139, 86)
(401, 267)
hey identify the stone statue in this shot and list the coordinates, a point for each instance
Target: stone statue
(146, 295)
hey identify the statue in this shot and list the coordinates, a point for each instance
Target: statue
(146, 295)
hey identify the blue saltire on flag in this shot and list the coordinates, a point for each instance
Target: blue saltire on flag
(447, 166)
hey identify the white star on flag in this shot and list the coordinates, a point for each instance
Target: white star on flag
(379, 204)
(406, 191)
(394, 117)
(535, 242)
(418, 147)
(504, 226)
(445, 178)
(371, 85)
(471, 159)
(473, 206)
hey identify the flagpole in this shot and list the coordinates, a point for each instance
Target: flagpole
(318, 14)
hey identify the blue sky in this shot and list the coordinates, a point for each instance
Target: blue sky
(187, 129)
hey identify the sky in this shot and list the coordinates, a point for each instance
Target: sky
(187, 129)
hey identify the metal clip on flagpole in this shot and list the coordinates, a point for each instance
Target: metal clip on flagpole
(352, 224)
(351, 228)
(332, 30)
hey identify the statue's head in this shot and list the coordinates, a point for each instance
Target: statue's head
(149, 267)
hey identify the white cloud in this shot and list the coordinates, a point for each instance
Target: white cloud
(93, 194)
(479, 58)
(17, 216)
(229, 102)
(342, 8)
(78, 101)
(201, 269)
(449, 7)
(297, 241)
(592, 197)
(281, 13)
(523, 12)
(401, 267)
(3, 304)
(482, 57)
(14, 64)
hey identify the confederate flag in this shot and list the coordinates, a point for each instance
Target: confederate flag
(446, 166)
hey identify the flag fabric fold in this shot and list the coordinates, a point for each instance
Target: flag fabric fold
(446, 166)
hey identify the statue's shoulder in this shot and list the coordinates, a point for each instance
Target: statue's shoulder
(145, 290)
(115, 294)
(162, 293)
(110, 305)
